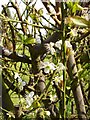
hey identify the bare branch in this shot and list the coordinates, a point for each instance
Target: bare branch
(14, 56)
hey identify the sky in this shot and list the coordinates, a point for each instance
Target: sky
(2, 2)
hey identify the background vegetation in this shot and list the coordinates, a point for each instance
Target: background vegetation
(45, 64)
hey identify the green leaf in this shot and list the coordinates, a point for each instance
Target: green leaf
(40, 11)
(80, 21)
(29, 40)
(36, 104)
(74, 8)
(34, 17)
(70, 4)
(21, 36)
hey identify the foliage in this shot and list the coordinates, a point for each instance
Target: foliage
(33, 63)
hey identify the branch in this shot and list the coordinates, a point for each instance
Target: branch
(19, 15)
(37, 50)
(11, 86)
(15, 88)
(14, 56)
(54, 17)
(41, 49)
(76, 88)
(84, 94)
(11, 28)
(83, 36)
(57, 8)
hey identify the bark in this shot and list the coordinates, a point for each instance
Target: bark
(38, 75)
(76, 89)
(84, 94)
(40, 49)
(7, 104)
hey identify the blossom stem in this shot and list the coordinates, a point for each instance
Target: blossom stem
(64, 60)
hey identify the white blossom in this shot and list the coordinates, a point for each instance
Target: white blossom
(58, 44)
(74, 32)
(51, 48)
(58, 79)
(53, 98)
(21, 83)
(47, 113)
(47, 66)
(16, 75)
(68, 45)
(29, 99)
(60, 67)
(31, 94)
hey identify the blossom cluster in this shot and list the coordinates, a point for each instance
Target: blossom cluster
(49, 66)
(51, 46)
(21, 83)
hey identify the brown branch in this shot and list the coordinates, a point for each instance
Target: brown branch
(14, 56)
(84, 95)
(76, 88)
(37, 49)
(57, 8)
(41, 49)
(82, 36)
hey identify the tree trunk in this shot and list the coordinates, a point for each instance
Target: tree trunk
(76, 89)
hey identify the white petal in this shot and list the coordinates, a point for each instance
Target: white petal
(52, 51)
(52, 66)
(52, 44)
(61, 66)
(31, 94)
(29, 101)
(23, 83)
(46, 63)
(68, 45)
(19, 79)
(16, 75)
(46, 70)
(58, 44)
(47, 113)
(61, 77)
(42, 65)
